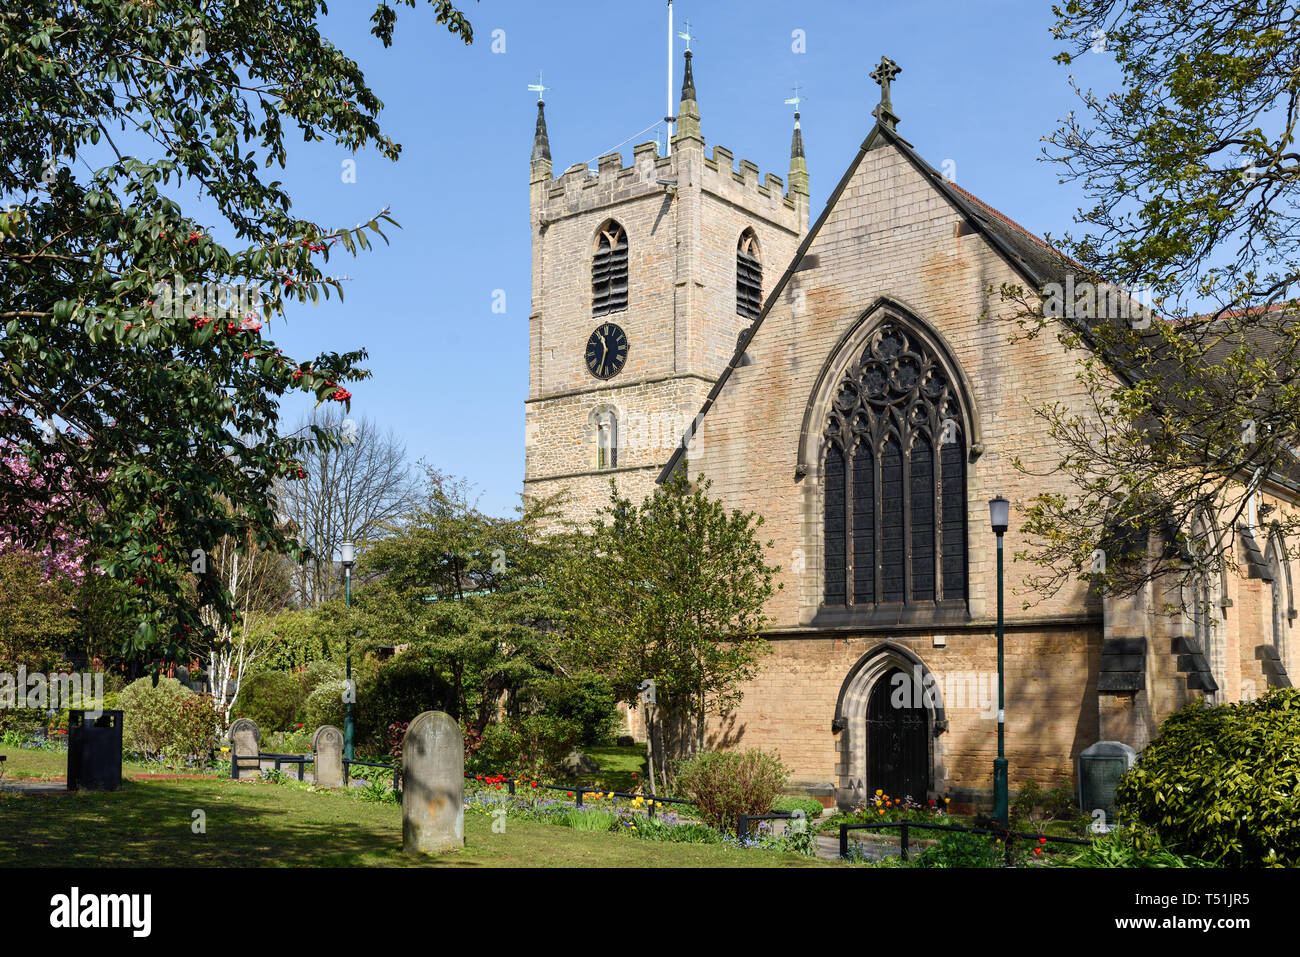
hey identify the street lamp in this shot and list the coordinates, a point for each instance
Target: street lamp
(348, 554)
(1000, 519)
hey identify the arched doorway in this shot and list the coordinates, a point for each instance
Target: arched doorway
(897, 738)
(870, 680)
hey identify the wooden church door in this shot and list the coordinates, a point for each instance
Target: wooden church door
(898, 747)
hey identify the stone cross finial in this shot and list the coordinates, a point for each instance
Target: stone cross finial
(884, 75)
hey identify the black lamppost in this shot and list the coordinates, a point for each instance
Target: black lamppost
(348, 554)
(1000, 519)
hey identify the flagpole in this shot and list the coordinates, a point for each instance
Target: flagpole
(668, 151)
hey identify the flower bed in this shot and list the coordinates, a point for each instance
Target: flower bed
(604, 811)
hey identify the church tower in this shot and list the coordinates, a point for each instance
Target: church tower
(643, 278)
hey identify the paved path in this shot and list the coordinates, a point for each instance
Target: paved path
(13, 786)
(875, 848)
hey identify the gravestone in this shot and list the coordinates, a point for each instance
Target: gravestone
(433, 785)
(327, 742)
(1100, 768)
(245, 744)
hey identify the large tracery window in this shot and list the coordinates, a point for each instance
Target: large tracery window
(895, 479)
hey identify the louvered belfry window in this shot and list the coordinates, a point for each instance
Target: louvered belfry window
(895, 479)
(749, 277)
(609, 271)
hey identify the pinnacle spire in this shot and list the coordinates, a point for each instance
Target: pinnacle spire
(798, 162)
(541, 158)
(688, 114)
(539, 164)
(541, 141)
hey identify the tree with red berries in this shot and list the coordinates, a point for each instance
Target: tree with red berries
(135, 364)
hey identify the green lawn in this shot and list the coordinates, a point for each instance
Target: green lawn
(621, 768)
(43, 765)
(148, 823)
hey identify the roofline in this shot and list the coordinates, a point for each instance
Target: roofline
(679, 453)
(958, 198)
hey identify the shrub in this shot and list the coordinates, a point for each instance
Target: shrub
(151, 714)
(1218, 783)
(811, 807)
(586, 698)
(193, 728)
(1028, 797)
(726, 784)
(656, 829)
(547, 740)
(499, 749)
(402, 688)
(1056, 804)
(271, 698)
(325, 705)
(1127, 847)
(959, 849)
(534, 745)
(26, 723)
(396, 738)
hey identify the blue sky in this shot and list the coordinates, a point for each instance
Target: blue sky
(978, 88)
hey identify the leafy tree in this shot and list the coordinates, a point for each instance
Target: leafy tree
(671, 590)
(37, 621)
(463, 592)
(159, 409)
(300, 636)
(1192, 180)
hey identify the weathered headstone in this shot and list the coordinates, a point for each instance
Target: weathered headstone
(433, 785)
(1100, 768)
(327, 742)
(245, 745)
(579, 763)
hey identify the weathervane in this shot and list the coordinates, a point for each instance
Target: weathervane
(796, 99)
(537, 87)
(687, 36)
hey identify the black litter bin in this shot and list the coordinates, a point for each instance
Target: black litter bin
(94, 750)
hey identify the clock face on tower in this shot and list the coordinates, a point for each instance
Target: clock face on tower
(606, 351)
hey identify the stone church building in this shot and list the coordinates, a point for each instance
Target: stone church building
(852, 380)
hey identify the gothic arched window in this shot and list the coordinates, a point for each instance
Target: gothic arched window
(895, 479)
(1275, 558)
(603, 423)
(749, 276)
(609, 271)
(1207, 594)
